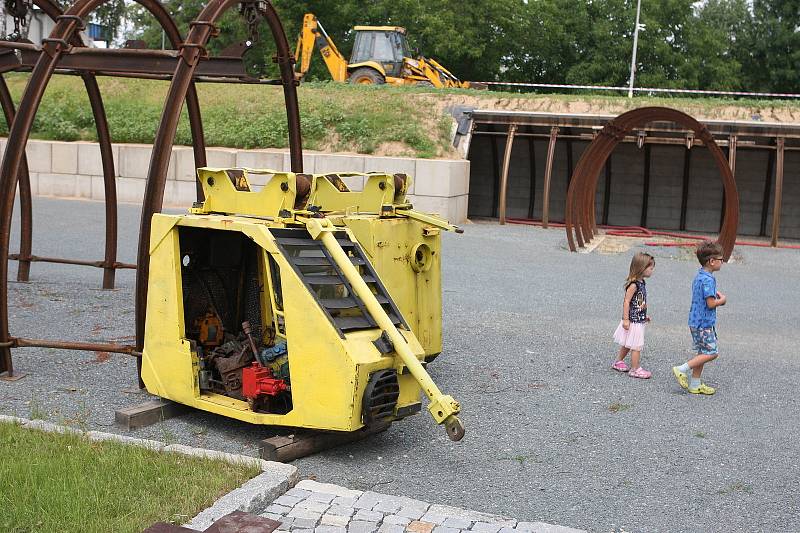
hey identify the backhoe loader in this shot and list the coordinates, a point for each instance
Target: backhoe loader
(380, 55)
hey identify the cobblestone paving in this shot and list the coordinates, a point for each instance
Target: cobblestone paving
(312, 507)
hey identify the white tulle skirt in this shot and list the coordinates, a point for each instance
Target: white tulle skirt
(632, 338)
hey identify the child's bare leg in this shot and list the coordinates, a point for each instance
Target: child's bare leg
(623, 352)
(697, 363)
(635, 355)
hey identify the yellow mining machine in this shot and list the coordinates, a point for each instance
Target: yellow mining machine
(302, 304)
(380, 55)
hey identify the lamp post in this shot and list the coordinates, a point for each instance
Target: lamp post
(635, 43)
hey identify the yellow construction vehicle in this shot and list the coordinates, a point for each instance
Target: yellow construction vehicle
(302, 304)
(380, 55)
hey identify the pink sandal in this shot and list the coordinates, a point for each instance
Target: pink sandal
(640, 373)
(620, 366)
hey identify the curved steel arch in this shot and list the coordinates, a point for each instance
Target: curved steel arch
(580, 206)
(19, 132)
(201, 30)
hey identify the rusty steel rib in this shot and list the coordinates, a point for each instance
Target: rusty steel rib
(581, 224)
(19, 132)
(191, 53)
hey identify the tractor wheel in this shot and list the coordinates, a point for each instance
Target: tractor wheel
(366, 76)
(424, 84)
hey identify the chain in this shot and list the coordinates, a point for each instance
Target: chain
(251, 13)
(18, 9)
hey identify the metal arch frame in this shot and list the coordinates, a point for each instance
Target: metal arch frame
(200, 33)
(14, 161)
(580, 219)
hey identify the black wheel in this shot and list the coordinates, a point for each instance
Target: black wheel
(366, 76)
(424, 84)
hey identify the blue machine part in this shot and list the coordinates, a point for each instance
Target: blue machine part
(268, 355)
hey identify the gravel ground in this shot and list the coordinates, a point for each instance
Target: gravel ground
(552, 433)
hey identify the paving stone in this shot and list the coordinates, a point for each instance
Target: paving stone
(286, 522)
(278, 509)
(299, 512)
(396, 520)
(317, 507)
(508, 530)
(288, 500)
(305, 523)
(485, 527)
(298, 492)
(330, 529)
(334, 520)
(526, 526)
(418, 526)
(444, 529)
(388, 507)
(272, 516)
(321, 497)
(457, 523)
(368, 516)
(412, 513)
(391, 528)
(434, 518)
(344, 500)
(340, 510)
(306, 530)
(467, 514)
(361, 526)
(367, 501)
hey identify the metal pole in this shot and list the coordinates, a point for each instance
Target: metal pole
(635, 44)
(548, 173)
(512, 129)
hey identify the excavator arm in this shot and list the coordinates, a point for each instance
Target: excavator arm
(313, 34)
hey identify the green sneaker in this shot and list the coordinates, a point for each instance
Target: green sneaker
(703, 389)
(683, 381)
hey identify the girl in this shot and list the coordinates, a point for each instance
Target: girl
(630, 332)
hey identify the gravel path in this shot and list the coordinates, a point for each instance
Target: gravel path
(553, 435)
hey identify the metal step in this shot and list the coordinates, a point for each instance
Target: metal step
(321, 261)
(323, 280)
(346, 323)
(339, 303)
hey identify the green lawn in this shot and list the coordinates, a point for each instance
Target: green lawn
(65, 483)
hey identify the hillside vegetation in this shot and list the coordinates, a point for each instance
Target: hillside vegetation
(334, 117)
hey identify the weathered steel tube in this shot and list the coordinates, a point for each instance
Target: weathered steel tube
(19, 342)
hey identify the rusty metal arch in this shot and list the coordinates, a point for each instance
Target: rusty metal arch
(52, 49)
(580, 205)
(201, 31)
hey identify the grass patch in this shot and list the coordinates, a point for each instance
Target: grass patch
(617, 407)
(736, 487)
(700, 434)
(335, 117)
(66, 483)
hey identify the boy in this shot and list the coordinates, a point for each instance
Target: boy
(702, 319)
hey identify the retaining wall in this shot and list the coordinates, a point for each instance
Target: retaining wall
(75, 170)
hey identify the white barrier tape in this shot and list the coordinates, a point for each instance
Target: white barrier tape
(642, 89)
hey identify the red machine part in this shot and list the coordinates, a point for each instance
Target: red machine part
(257, 381)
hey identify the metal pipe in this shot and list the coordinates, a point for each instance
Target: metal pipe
(443, 408)
(19, 342)
(504, 175)
(98, 264)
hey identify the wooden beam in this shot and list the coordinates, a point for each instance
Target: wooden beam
(532, 157)
(148, 413)
(548, 174)
(512, 129)
(306, 442)
(776, 209)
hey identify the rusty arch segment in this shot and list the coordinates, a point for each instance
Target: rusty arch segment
(580, 205)
(191, 52)
(53, 48)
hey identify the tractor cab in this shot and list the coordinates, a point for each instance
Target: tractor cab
(386, 45)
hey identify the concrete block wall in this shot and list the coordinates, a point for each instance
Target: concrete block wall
(75, 170)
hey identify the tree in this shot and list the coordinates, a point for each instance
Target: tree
(774, 59)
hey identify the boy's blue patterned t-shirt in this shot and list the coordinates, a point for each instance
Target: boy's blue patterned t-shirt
(703, 286)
